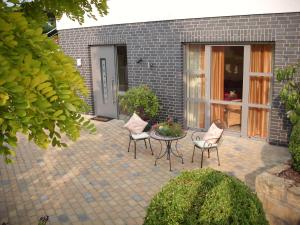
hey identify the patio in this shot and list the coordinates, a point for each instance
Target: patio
(96, 181)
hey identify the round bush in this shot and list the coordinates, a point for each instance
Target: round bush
(205, 197)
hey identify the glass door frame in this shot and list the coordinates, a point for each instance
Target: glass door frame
(246, 86)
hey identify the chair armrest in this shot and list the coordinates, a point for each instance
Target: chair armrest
(196, 136)
(208, 143)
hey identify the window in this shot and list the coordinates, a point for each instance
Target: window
(195, 86)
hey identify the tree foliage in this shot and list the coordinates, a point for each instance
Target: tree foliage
(40, 89)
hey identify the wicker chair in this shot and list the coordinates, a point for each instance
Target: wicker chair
(205, 145)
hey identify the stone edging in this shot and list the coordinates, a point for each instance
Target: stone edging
(280, 197)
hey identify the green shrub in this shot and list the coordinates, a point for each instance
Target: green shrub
(294, 146)
(141, 100)
(205, 197)
(290, 97)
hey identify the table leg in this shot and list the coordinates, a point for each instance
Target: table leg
(169, 153)
(161, 155)
(177, 154)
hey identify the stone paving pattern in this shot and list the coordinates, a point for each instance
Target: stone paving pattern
(96, 181)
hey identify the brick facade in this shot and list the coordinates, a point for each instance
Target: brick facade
(161, 42)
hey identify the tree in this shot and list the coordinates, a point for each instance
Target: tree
(41, 92)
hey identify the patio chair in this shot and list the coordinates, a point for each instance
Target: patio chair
(139, 137)
(135, 126)
(210, 141)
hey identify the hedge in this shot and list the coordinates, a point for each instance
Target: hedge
(294, 146)
(205, 197)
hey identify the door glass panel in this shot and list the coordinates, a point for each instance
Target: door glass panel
(229, 115)
(195, 114)
(259, 90)
(261, 58)
(258, 122)
(233, 117)
(217, 112)
(122, 68)
(227, 73)
(103, 72)
(195, 86)
(217, 78)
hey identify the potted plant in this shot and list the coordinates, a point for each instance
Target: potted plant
(141, 100)
(170, 128)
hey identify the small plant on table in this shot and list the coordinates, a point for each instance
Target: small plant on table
(169, 128)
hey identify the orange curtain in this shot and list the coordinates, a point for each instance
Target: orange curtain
(217, 85)
(261, 62)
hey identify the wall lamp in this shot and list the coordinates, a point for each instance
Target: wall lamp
(139, 61)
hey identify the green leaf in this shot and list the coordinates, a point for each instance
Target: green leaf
(40, 78)
(64, 145)
(43, 85)
(57, 113)
(86, 123)
(21, 113)
(12, 141)
(70, 107)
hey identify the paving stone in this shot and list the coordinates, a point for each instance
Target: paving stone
(119, 155)
(104, 194)
(137, 197)
(125, 165)
(103, 183)
(83, 217)
(63, 218)
(107, 185)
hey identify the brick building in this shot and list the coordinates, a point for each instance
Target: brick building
(201, 69)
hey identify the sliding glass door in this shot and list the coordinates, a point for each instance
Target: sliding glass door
(231, 84)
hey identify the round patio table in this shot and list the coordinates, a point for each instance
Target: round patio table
(168, 151)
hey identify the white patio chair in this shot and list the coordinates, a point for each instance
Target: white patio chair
(135, 125)
(139, 137)
(209, 141)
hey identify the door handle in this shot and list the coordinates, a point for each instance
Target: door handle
(113, 91)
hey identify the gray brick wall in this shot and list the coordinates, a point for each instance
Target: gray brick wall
(161, 42)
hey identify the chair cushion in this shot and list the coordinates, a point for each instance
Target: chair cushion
(213, 134)
(203, 144)
(140, 136)
(135, 124)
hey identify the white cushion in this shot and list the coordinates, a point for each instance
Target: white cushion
(213, 134)
(140, 136)
(203, 144)
(135, 124)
